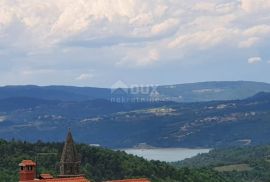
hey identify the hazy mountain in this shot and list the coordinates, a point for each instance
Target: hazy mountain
(65, 93)
(193, 92)
(209, 91)
(161, 124)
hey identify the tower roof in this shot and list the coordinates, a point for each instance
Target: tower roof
(27, 163)
(69, 154)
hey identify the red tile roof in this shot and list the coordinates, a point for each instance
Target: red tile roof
(46, 176)
(131, 180)
(77, 179)
(27, 163)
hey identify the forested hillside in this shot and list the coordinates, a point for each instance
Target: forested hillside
(98, 164)
(246, 164)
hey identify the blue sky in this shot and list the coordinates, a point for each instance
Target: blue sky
(141, 42)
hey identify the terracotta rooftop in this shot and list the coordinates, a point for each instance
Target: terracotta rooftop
(77, 179)
(27, 163)
(46, 176)
(131, 180)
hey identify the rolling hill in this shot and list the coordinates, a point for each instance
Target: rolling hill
(192, 92)
(159, 124)
(243, 164)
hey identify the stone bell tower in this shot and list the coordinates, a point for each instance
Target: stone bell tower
(70, 161)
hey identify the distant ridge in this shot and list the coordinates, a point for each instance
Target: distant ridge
(124, 125)
(189, 92)
(260, 96)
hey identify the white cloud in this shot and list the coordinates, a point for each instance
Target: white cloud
(164, 26)
(229, 7)
(204, 6)
(203, 39)
(254, 60)
(255, 6)
(130, 32)
(257, 30)
(249, 42)
(85, 76)
(140, 58)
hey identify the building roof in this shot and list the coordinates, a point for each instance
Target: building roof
(131, 180)
(27, 163)
(46, 176)
(76, 179)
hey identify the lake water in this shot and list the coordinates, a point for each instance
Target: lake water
(166, 154)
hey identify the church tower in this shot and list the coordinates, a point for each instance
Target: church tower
(70, 161)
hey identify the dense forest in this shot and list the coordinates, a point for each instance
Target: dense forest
(98, 164)
(245, 164)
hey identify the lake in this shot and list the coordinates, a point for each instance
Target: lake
(166, 154)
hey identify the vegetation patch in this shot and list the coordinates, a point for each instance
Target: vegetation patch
(236, 167)
(98, 164)
(244, 164)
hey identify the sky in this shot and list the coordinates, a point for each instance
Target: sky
(139, 42)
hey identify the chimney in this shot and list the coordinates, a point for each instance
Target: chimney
(27, 170)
